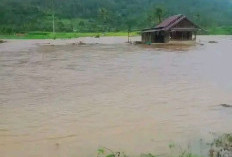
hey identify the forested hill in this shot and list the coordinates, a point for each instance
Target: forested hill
(107, 15)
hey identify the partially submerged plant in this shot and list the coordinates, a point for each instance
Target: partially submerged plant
(221, 146)
(147, 155)
(223, 141)
(1, 41)
(97, 36)
(106, 152)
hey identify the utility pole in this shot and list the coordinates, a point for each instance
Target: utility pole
(128, 36)
(129, 29)
(53, 17)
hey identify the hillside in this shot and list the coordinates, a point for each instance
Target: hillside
(107, 15)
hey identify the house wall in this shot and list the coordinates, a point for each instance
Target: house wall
(166, 37)
(146, 37)
(155, 37)
(181, 35)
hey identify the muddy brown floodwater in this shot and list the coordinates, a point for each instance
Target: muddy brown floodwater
(59, 99)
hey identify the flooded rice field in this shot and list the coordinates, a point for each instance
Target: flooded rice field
(61, 99)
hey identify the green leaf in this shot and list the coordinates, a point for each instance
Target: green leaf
(110, 155)
(101, 151)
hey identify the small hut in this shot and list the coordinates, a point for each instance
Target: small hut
(174, 28)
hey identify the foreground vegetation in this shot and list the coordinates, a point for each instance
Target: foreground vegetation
(220, 146)
(106, 152)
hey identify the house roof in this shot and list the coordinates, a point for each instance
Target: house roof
(169, 23)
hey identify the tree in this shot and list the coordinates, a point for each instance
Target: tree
(108, 15)
(103, 14)
(198, 17)
(159, 13)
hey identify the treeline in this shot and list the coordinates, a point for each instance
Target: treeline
(19, 16)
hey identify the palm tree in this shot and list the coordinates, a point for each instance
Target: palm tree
(104, 17)
(198, 17)
(103, 13)
(159, 13)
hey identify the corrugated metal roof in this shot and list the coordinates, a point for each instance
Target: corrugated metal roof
(169, 21)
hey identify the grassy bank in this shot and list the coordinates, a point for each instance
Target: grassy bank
(66, 35)
(220, 31)
(63, 35)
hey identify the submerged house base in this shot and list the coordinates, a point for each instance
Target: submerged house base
(176, 28)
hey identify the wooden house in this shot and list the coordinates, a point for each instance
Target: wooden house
(176, 28)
